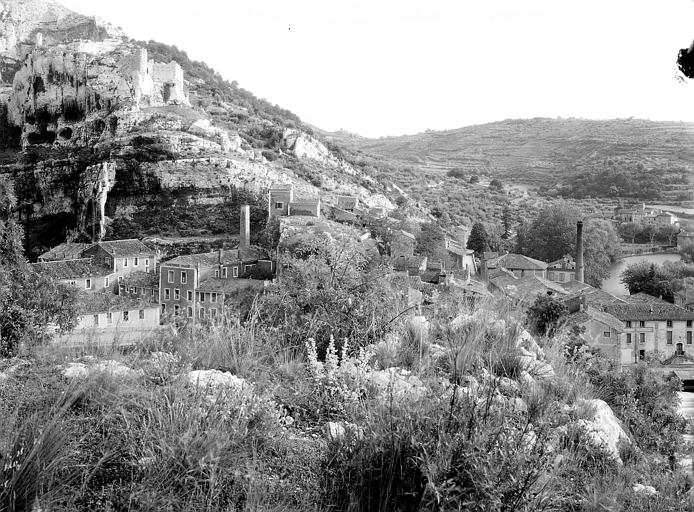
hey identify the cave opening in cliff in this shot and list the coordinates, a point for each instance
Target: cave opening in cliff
(44, 232)
(65, 133)
(72, 111)
(41, 137)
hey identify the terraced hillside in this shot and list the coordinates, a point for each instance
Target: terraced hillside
(541, 152)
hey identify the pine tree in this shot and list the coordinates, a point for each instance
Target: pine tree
(478, 240)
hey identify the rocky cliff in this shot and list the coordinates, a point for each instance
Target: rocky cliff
(96, 127)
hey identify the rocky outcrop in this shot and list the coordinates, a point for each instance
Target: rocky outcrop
(603, 428)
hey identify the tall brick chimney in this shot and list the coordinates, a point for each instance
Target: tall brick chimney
(245, 231)
(580, 277)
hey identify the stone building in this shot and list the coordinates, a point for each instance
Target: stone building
(517, 264)
(562, 270)
(123, 257)
(84, 273)
(402, 244)
(282, 203)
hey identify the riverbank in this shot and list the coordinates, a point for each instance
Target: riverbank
(613, 284)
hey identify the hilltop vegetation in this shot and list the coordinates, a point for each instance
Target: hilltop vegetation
(542, 152)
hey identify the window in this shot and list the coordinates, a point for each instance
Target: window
(668, 335)
(125, 262)
(668, 323)
(689, 323)
(146, 262)
(246, 268)
(177, 294)
(202, 296)
(628, 338)
(152, 292)
(141, 314)
(213, 297)
(109, 318)
(279, 205)
(642, 354)
(213, 313)
(689, 337)
(126, 316)
(642, 337)
(606, 334)
(202, 312)
(133, 289)
(224, 272)
(167, 294)
(628, 323)
(216, 273)
(96, 319)
(107, 261)
(177, 309)
(107, 282)
(88, 284)
(190, 312)
(642, 323)
(163, 309)
(235, 272)
(136, 262)
(170, 276)
(120, 278)
(184, 277)
(189, 295)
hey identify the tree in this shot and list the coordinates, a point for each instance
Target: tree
(553, 234)
(506, 222)
(431, 242)
(546, 314)
(648, 278)
(496, 184)
(478, 240)
(474, 179)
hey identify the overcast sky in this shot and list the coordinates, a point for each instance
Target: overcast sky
(389, 67)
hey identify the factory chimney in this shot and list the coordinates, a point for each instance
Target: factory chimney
(579, 252)
(245, 231)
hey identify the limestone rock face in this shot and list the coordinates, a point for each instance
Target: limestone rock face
(604, 428)
(22, 20)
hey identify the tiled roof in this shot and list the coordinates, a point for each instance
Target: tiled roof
(129, 247)
(517, 262)
(217, 284)
(649, 311)
(594, 296)
(65, 251)
(603, 317)
(526, 288)
(146, 279)
(573, 286)
(641, 298)
(347, 202)
(223, 257)
(103, 302)
(72, 269)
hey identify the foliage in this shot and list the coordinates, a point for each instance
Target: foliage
(431, 242)
(648, 278)
(478, 240)
(552, 234)
(546, 314)
(332, 292)
(648, 233)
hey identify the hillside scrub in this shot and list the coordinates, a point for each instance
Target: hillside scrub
(453, 413)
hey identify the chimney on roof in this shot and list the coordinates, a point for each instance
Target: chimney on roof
(579, 252)
(245, 231)
(219, 256)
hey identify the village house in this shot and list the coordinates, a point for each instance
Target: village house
(180, 278)
(601, 331)
(84, 273)
(652, 325)
(144, 285)
(123, 256)
(524, 289)
(517, 264)
(640, 214)
(106, 319)
(562, 270)
(213, 293)
(402, 244)
(64, 251)
(282, 203)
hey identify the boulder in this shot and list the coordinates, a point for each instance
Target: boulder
(603, 429)
(399, 381)
(645, 489)
(215, 380)
(114, 368)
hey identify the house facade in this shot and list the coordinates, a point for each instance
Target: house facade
(656, 327)
(107, 319)
(282, 203)
(123, 256)
(562, 270)
(180, 279)
(84, 273)
(402, 244)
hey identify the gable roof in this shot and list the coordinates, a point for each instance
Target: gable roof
(526, 288)
(592, 314)
(146, 279)
(72, 269)
(219, 285)
(517, 262)
(220, 257)
(644, 298)
(103, 302)
(129, 247)
(649, 311)
(65, 251)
